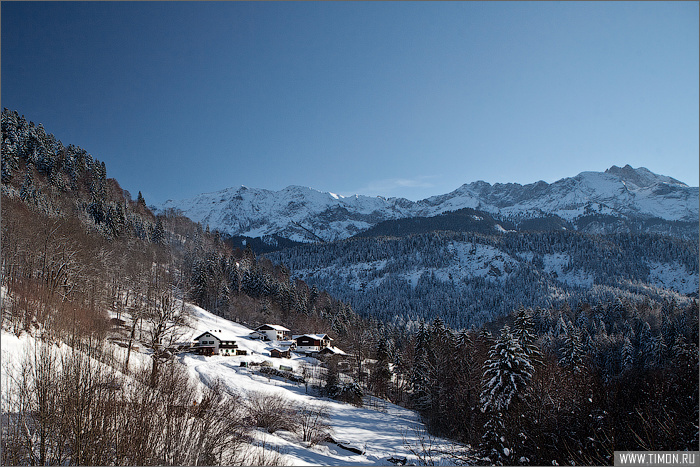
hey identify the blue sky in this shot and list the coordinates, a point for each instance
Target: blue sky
(405, 99)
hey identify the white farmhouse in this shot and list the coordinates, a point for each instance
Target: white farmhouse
(216, 342)
(272, 332)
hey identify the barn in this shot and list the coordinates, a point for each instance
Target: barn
(280, 353)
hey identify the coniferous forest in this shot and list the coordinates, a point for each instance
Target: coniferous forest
(470, 279)
(563, 378)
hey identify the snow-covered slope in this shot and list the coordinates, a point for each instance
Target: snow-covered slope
(380, 432)
(304, 214)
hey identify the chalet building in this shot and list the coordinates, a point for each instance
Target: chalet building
(215, 342)
(280, 353)
(310, 343)
(271, 332)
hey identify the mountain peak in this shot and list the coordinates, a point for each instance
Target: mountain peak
(642, 177)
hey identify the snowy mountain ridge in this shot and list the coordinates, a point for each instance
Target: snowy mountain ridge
(308, 215)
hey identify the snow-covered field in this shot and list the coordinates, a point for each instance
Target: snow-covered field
(379, 432)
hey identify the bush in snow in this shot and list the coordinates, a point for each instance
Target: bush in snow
(288, 375)
(271, 411)
(313, 423)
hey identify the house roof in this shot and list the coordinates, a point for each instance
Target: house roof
(333, 350)
(284, 344)
(219, 334)
(274, 327)
(313, 336)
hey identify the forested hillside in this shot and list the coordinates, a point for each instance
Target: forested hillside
(61, 198)
(553, 386)
(469, 279)
(472, 220)
(78, 255)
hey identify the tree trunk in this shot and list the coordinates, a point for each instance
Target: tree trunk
(128, 350)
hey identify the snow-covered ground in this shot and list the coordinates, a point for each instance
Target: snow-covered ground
(557, 263)
(673, 276)
(381, 432)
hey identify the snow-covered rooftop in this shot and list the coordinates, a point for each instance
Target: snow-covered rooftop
(313, 336)
(275, 327)
(222, 335)
(334, 350)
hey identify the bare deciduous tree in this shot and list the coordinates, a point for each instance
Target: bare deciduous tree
(313, 423)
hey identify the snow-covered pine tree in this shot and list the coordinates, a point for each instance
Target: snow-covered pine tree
(10, 156)
(627, 354)
(158, 235)
(524, 331)
(507, 373)
(27, 190)
(572, 349)
(655, 351)
(421, 372)
(381, 373)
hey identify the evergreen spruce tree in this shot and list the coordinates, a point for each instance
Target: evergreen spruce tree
(572, 349)
(655, 351)
(507, 373)
(524, 331)
(10, 158)
(381, 374)
(27, 191)
(158, 235)
(421, 373)
(627, 357)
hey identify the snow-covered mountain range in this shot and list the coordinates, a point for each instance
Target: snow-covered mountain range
(308, 215)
